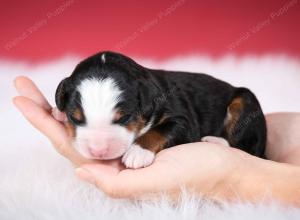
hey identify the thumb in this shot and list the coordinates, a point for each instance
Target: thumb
(118, 183)
(102, 176)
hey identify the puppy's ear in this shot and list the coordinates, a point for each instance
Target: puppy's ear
(62, 94)
(147, 94)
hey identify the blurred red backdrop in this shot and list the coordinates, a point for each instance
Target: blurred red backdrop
(36, 30)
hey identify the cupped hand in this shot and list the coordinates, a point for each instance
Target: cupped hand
(201, 167)
(204, 168)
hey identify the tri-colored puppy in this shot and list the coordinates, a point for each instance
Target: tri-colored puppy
(115, 107)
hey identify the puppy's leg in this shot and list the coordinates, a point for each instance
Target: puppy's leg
(142, 152)
(164, 135)
(215, 140)
(245, 125)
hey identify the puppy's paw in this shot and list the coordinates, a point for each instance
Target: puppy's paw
(58, 115)
(215, 140)
(137, 157)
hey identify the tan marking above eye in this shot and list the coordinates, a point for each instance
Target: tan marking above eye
(77, 114)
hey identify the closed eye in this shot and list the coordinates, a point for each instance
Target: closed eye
(123, 120)
(76, 117)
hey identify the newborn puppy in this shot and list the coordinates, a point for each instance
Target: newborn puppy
(114, 108)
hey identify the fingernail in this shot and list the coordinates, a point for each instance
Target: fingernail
(85, 175)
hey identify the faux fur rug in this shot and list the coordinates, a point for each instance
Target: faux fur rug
(37, 183)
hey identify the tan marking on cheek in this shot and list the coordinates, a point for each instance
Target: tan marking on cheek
(152, 140)
(77, 114)
(70, 129)
(234, 109)
(136, 126)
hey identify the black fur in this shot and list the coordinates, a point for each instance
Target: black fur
(195, 105)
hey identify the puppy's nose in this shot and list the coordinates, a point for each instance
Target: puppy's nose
(98, 152)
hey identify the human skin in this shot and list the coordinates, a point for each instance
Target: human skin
(283, 144)
(214, 171)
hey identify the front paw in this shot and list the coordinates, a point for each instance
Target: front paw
(137, 157)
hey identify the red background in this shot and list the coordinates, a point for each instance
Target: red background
(205, 27)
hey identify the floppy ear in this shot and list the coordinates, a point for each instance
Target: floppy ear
(147, 93)
(62, 95)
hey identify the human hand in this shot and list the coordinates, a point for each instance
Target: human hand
(214, 171)
(207, 169)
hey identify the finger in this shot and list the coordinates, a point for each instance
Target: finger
(41, 119)
(127, 183)
(55, 131)
(27, 88)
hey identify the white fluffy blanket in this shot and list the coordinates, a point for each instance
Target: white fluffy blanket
(37, 183)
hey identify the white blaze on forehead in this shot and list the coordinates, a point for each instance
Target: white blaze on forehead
(99, 97)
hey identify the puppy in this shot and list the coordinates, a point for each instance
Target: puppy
(114, 107)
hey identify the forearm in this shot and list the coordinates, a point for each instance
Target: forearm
(266, 180)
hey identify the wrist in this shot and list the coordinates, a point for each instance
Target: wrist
(231, 181)
(257, 179)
